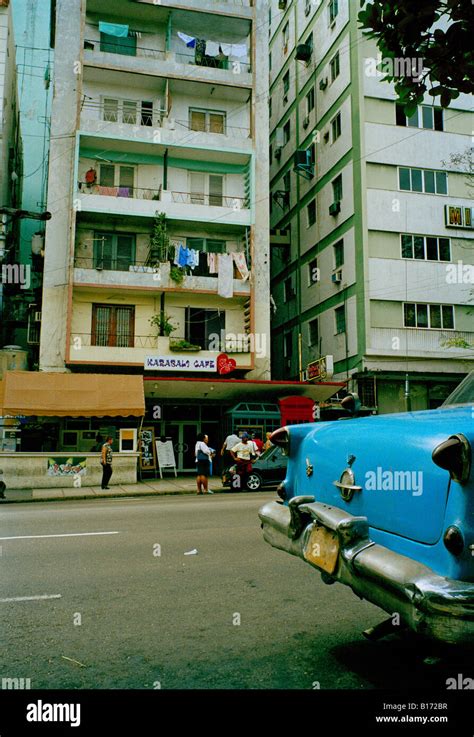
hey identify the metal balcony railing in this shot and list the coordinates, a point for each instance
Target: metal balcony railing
(232, 131)
(110, 48)
(203, 60)
(100, 339)
(184, 198)
(105, 113)
(135, 266)
(211, 200)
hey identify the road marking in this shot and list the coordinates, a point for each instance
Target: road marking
(67, 534)
(31, 598)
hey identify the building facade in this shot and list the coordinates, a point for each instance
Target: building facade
(371, 245)
(157, 252)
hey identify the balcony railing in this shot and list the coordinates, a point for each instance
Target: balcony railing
(106, 263)
(111, 340)
(419, 341)
(111, 48)
(185, 198)
(203, 60)
(104, 113)
(232, 131)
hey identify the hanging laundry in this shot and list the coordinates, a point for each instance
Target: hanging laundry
(190, 41)
(123, 192)
(193, 258)
(108, 191)
(241, 263)
(113, 29)
(212, 48)
(135, 34)
(239, 50)
(226, 49)
(183, 256)
(225, 277)
(212, 263)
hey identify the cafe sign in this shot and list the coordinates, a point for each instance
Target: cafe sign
(321, 369)
(458, 217)
(179, 362)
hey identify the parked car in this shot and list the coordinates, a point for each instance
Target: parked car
(385, 505)
(268, 470)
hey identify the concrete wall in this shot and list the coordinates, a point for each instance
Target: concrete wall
(29, 470)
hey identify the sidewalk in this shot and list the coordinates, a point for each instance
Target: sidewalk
(154, 487)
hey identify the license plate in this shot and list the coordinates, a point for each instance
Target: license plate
(322, 549)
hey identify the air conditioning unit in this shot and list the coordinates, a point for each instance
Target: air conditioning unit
(326, 136)
(37, 316)
(303, 52)
(336, 278)
(323, 83)
(306, 122)
(278, 152)
(335, 208)
(282, 4)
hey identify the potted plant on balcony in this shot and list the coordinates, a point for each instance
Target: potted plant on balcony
(177, 274)
(179, 344)
(162, 323)
(159, 241)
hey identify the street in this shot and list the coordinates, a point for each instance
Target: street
(129, 609)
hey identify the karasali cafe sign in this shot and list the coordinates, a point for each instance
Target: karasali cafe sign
(221, 364)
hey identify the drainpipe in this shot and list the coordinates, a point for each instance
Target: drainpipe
(165, 170)
(407, 394)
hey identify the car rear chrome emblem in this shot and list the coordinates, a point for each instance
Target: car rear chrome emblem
(346, 483)
(309, 468)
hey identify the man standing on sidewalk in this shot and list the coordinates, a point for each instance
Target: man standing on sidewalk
(106, 461)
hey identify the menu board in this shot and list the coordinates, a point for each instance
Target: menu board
(147, 449)
(165, 453)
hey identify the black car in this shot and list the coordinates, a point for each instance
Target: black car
(269, 469)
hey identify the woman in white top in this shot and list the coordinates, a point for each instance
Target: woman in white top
(203, 461)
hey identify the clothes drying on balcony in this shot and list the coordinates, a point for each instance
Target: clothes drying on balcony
(212, 48)
(212, 262)
(113, 29)
(190, 41)
(225, 276)
(123, 192)
(241, 264)
(108, 191)
(237, 50)
(184, 256)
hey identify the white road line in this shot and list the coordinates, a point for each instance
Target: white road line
(31, 598)
(67, 534)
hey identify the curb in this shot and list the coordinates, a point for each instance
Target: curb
(118, 495)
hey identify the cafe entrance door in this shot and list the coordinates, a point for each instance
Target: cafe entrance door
(183, 435)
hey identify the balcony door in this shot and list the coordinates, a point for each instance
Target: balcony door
(113, 326)
(204, 327)
(114, 251)
(206, 188)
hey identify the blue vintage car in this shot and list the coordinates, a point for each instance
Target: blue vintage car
(385, 505)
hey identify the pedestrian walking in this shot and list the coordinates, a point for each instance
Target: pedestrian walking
(244, 453)
(106, 461)
(229, 443)
(203, 462)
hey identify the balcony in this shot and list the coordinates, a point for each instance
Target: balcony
(89, 348)
(156, 126)
(139, 201)
(417, 343)
(134, 274)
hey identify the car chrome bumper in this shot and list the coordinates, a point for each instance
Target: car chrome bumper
(430, 604)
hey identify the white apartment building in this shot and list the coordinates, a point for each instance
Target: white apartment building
(372, 223)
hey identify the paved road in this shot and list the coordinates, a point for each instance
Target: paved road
(134, 610)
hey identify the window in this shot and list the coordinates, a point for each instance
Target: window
(289, 292)
(114, 251)
(270, 111)
(311, 213)
(333, 10)
(113, 326)
(307, 6)
(338, 254)
(313, 333)
(116, 45)
(428, 316)
(310, 101)
(131, 112)
(334, 65)
(425, 116)
(116, 175)
(209, 121)
(287, 186)
(286, 83)
(207, 189)
(270, 154)
(340, 317)
(425, 247)
(270, 61)
(204, 327)
(286, 37)
(313, 272)
(423, 180)
(288, 345)
(336, 127)
(286, 132)
(337, 188)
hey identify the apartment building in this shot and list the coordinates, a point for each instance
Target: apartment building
(372, 239)
(157, 253)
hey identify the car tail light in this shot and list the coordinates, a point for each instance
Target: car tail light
(454, 540)
(454, 455)
(281, 437)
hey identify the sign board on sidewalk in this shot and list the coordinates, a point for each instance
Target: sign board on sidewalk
(165, 454)
(147, 449)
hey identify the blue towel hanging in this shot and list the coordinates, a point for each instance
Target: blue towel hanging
(113, 29)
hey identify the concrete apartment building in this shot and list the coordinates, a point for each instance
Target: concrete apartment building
(372, 239)
(160, 111)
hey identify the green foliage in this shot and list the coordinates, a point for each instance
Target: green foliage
(162, 323)
(404, 30)
(159, 240)
(183, 345)
(177, 274)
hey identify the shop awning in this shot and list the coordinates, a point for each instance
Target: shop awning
(71, 395)
(232, 390)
